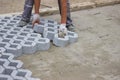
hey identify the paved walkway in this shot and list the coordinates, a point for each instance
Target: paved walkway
(94, 57)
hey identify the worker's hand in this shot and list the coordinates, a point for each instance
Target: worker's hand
(62, 31)
(36, 19)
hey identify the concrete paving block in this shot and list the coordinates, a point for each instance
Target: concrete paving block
(6, 40)
(2, 50)
(4, 62)
(18, 78)
(8, 71)
(7, 56)
(49, 33)
(13, 21)
(34, 35)
(16, 41)
(7, 17)
(27, 30)
(24, 34)
(1, 69)
(55, 26)
(19, 37)
(22, 73)
(16, 64)
(16, 18)
(61, 42)
(16, 29)
(43, 24)
(3, 31)
(9, 36)
(13, 32)
(29, 47)
(39, 28)
(15, 49)
(3, 44)
(10, 25)
(73, 37)
(1, 27)
(42, 20)
(32, 39)
(28, 26)
(4, 20)
(1, 39)
(5, 77)
(9, 67)
(1, 35)
(43, 44)
(51, 21)
(2, 23)
(7, 28)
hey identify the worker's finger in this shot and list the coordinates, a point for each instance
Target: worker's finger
(33, 23)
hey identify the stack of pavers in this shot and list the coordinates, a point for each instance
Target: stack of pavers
(15, 41)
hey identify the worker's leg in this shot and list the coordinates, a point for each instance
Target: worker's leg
(26, 13)
(69, 20)
(27, 10)
(59, 4)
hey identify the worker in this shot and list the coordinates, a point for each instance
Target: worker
(36, 18)
(28, 10)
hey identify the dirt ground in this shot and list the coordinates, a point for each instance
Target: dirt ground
(94, 57)
(13, 6)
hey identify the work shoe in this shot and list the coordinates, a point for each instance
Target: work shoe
(71, 28)
(22, 23)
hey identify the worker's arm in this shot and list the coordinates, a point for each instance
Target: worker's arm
(37, 6)
(36, 16)
(62, 29)
(63, 11)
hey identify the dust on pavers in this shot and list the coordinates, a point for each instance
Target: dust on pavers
(94, 57)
